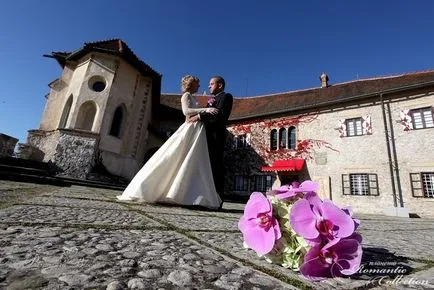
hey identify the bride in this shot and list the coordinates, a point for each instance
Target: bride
(180, 171)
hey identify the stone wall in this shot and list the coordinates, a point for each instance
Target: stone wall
(329, 156)
(415, 152)
(7, 145)
(75, 154)
(40, 141)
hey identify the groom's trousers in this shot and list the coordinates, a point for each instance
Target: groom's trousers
(216, 144)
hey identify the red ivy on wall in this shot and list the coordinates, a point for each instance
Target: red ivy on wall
(241, 129)
(303, 150)
(304, 147)
(288, 122)
(246, 127)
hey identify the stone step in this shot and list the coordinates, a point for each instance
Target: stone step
(23, 170)
(53, 180)
(31, 178)
(19, 162)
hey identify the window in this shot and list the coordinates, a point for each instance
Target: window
(273, 139)
(86, 116)
(261, 183)
(292, 139)
(241, 141)
(354, 127)
(65, 113)
(115, 129)
(422, 118)
(241, 183)
(98, 86)
(360, 184)
(97, 83)
(282, 138)
(422, 184)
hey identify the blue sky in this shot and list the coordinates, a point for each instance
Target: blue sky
(260, 47)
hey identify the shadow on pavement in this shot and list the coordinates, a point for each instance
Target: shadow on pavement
(379, 262)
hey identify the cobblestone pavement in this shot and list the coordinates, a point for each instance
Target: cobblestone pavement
(83, 238)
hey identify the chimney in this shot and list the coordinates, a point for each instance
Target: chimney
(324, 80)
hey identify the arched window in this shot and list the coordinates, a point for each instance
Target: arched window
(292, 138)
(65, 113)
(273, 139)
(118, 119)
(282, 138)
(86, 116)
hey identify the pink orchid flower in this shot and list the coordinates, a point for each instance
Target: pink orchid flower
(349, 211)
(314, 219)
(336, 258)
(260, 229)
(211, 101)
(295, 189)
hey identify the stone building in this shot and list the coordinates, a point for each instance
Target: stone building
(98, 112)
(368, 143)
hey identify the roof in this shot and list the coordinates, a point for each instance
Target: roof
(119, 48)
(111, 46)
(260, 106)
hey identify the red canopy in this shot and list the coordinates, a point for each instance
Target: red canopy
(285, 165)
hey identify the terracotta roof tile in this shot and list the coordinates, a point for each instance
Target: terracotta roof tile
(315, 97)
(110, 46)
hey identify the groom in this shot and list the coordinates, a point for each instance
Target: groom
(215, 126)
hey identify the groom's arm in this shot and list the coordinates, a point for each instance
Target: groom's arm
(224, 107)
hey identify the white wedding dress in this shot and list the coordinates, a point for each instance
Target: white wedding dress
(180, 171)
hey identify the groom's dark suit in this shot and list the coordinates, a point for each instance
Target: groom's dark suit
(215, 126)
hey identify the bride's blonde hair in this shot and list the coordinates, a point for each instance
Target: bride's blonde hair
(187, 82)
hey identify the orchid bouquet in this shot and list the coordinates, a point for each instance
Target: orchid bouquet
(291, 226)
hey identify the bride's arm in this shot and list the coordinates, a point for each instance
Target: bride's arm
(187, 110)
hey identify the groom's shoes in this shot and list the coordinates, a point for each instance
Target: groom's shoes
(220, 207)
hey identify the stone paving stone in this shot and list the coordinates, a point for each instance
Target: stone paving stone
(233, 244)
(86, 193)
(15, 191)
(71, 202)
(230, 210)
(404, 245)
(62, 258)
(226, 214)
(47, 257)
(6, 184)
(403, 236)
(417, 245)
(65, 215)
(397, 224)
(194, 223)
(164, 209)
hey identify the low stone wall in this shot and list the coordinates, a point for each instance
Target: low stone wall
(73, 152)
(40, 141)
(7, 145)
